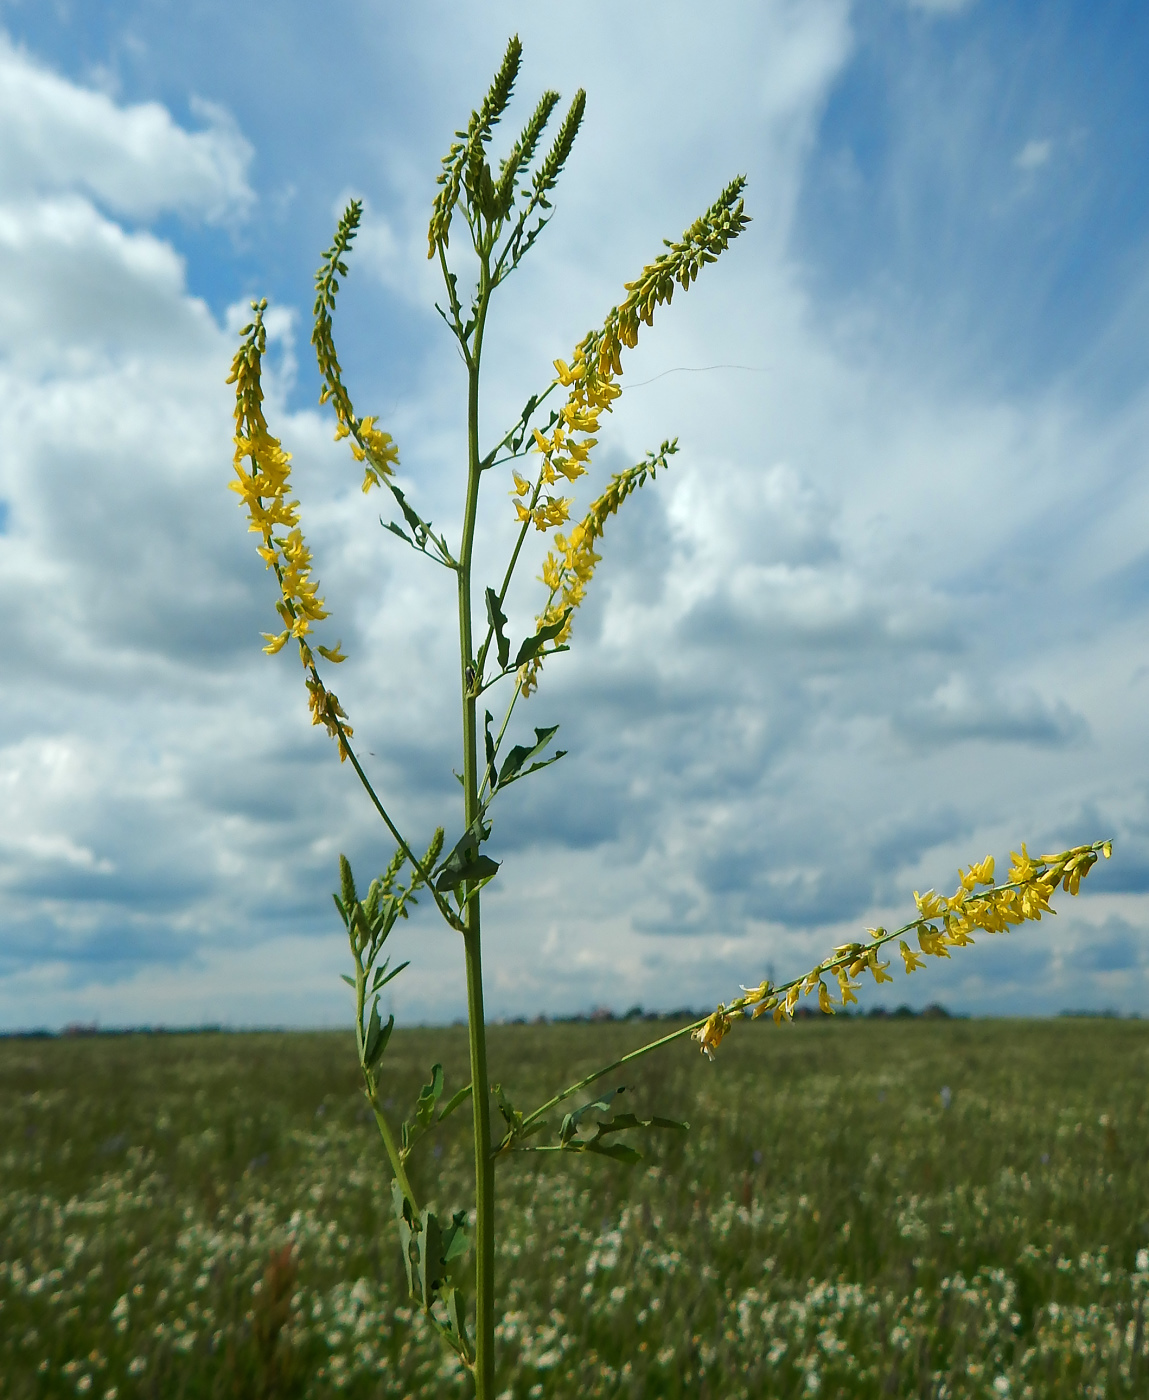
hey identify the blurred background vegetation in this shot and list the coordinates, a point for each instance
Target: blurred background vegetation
(861, 1207)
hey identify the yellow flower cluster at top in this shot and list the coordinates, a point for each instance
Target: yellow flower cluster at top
(941, 924)
(590, 380)
(264, 490)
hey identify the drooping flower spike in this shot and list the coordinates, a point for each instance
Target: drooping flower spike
(263, 484)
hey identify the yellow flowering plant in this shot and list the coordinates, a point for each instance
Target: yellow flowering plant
(502, 213)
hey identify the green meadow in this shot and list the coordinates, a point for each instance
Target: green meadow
(861, 1208)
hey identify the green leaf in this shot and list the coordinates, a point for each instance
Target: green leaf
(497, 618)
(522, 753)
(533, 645)
(454, 1332)
(380, 916)
(424, 1116)
(601, 1105)
(621, 1121)
(381, 980)
(455, 1238)
(618, 1150)
(511, 1115)
(461, 1096)
(408, 1232)
(377, 1036)
(465, 864)
(546, 763)
(489, 743)
(429, 1096)
(430, 1261)
(421, 529)
(349, 980)
(481, 868)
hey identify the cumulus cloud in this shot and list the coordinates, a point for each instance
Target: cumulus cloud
(135, 160)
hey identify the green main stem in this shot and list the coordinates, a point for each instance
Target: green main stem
(476, 1017)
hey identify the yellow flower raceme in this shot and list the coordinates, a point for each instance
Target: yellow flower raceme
(590, 382)
(369, 444)
(941, 924)
(569, 567)
(263, 482)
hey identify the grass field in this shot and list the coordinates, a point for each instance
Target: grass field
(861, 1208)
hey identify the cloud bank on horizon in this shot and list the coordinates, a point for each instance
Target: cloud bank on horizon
(887, 611)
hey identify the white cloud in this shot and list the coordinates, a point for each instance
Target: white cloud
(135, 160)
(1033, 155)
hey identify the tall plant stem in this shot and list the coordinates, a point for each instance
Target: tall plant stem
(476, 1018)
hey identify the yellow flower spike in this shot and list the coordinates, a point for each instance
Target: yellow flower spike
(598, 362)
(909, 957)
(264, 492)
(995, 908)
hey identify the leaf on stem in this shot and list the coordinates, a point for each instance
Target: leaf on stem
(497, 618)
(457, 1098)
(377, 1036)
(465, 864)
(514, 1120)
(533, 645)
(424, 1117)
(619, 1123)
(381, 980)
(429, 1250)
(512, 768)
(489, 745)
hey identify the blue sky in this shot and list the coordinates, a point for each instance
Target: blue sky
(886, 613)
